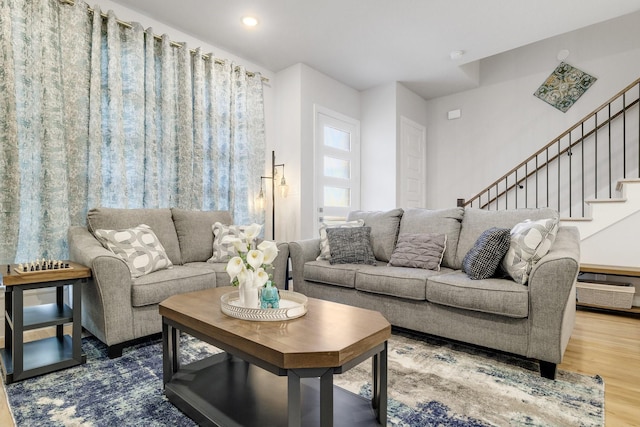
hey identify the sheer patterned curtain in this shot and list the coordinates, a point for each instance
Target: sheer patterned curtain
(94, 113)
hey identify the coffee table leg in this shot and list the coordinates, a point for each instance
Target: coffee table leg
(379, 397)
(293, 398)
(326, 399)
(170, 352)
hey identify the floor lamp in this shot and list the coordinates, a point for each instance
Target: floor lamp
(284, 190)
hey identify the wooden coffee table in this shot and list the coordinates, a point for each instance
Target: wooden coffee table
(274, 373)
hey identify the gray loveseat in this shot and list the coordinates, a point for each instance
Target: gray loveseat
(534, 320)
(117, 308)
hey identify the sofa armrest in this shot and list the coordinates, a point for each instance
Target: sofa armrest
(302, 251)
(281, 265)
(552, 300)
(106, 300)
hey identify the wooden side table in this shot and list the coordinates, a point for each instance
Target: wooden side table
(20, 360)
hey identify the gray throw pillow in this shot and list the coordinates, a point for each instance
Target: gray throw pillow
(419, 251)
(325, 253)
(350, 245)
(484, 257)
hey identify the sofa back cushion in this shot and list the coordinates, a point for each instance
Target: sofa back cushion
(476, 221)
(436, 221)
(384, 230)
(159, 220)
(195, 233)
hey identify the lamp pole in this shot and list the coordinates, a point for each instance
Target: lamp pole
(273, 195)
(273, 190)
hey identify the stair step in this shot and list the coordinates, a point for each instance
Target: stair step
(625, 181)
(611, 200)
(577, 219)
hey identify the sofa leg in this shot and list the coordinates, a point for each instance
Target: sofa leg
(115, 351)
(548, 370)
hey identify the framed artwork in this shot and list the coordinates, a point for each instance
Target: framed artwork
(564, 86)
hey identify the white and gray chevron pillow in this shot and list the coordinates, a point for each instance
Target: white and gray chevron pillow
(139, 247)
(223, 252)
(529, 242)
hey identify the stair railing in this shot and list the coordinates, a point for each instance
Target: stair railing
(609, 138)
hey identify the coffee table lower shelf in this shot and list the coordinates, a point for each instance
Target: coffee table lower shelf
(223, 390)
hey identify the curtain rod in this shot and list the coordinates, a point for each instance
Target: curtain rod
(157, 37)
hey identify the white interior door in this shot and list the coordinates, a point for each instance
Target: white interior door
(337, 165)
(413, 164)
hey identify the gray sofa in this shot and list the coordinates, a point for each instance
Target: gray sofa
(117, 308)
(534, 320)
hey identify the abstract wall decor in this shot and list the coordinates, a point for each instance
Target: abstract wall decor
(564, 86)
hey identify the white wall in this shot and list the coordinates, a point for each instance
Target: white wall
(414, 108)
(382, 108)
(502, 122)
(378, 148)
(299, 89)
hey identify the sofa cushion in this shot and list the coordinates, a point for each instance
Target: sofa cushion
(384, 230)
(494, 296)
(436, 221)
(419, 251)
(160, 221)
(350, 245)
(485, 256)
(476, 221)
(137, 246)
(160, 285)
(338, 274)
(325, 253)
(220, 269)
(400, 282)
(194, 230)
(529, 242)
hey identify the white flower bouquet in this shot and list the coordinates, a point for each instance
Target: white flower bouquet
(249, 269)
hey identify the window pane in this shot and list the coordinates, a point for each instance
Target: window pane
(337, 197)
(337, 139)
(336, 168)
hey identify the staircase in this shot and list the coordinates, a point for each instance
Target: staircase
(590, 174)
(614, 224)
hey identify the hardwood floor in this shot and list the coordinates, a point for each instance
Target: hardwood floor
(602, 343)
(609, 345)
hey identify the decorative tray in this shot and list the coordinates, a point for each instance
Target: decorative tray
(292, 305)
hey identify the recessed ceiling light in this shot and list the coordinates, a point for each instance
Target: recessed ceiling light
(249, 21)
(456, 54)
(562, 55)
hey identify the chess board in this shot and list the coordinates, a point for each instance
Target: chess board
(42, 266)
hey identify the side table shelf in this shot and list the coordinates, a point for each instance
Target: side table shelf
(20, 360)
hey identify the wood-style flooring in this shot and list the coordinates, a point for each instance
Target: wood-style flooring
(602, 343)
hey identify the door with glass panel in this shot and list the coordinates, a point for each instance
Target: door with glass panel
(337, 165)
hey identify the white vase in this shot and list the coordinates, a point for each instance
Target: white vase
(248, 295)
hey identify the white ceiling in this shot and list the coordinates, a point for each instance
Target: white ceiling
(365, 43)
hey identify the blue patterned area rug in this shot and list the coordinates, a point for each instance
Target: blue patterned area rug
(432, 382)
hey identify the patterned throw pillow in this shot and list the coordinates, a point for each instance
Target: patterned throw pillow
(223, 252)
(530, 241)
(350, 245)
(138, 246)
(484, 257)
(419, 251)
(325, 254)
